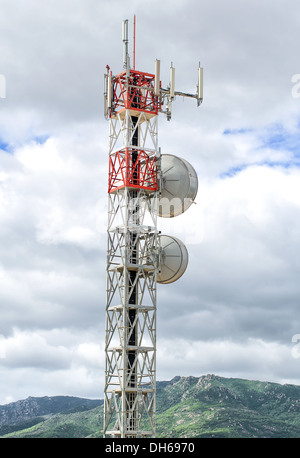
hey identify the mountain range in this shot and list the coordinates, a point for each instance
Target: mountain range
(206, 406)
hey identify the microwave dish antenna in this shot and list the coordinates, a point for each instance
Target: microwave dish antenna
(179, 186)
(173, 259)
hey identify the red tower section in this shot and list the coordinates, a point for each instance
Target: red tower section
(124, 171)
(135, 93)
(133, 167)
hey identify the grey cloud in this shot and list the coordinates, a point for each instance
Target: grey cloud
(242, 279)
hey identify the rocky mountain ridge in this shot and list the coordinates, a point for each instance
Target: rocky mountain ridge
(24, 413)
(206, 406)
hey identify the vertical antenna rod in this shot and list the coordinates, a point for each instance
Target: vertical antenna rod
(134, 43)
(125, 41)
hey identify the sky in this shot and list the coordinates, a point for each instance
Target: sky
(236, 310)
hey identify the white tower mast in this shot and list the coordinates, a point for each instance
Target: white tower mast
(135, 258)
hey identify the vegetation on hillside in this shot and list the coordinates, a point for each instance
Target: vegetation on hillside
(209, 406)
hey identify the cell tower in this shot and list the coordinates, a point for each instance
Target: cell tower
(142, 184)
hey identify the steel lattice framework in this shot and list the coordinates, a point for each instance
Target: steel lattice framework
(133, 100)
(132, 260)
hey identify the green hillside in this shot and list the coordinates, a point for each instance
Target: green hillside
(212, 406)
(209, 406)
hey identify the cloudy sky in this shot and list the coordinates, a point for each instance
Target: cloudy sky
(236, 310)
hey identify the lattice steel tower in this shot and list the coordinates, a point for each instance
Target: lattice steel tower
(137, 256)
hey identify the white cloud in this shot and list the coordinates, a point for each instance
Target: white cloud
(30, 349)
(242, 279)
(91, 354)
(49, 361)
(254, 359)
